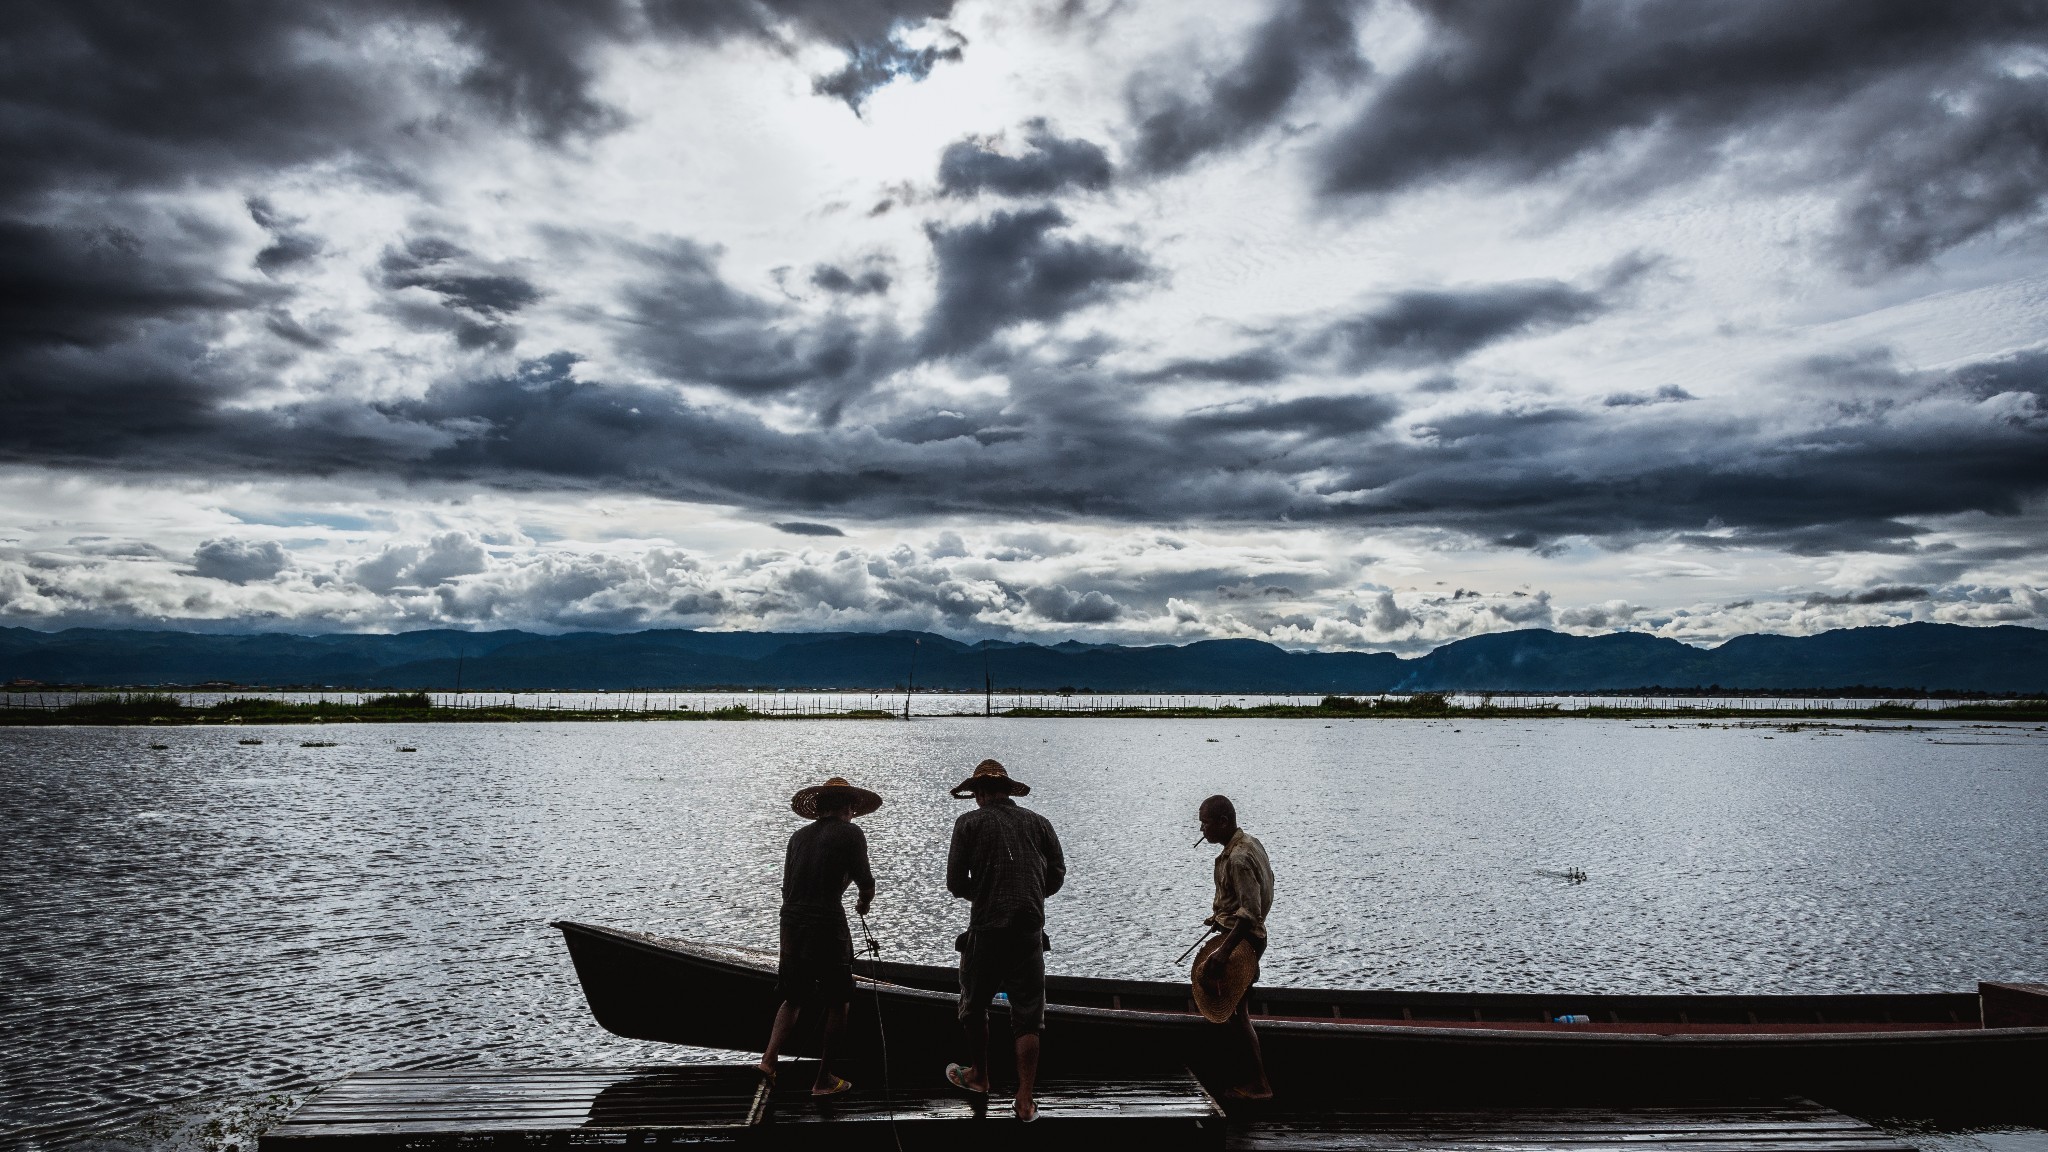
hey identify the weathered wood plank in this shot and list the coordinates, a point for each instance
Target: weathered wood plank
(1794, 1126)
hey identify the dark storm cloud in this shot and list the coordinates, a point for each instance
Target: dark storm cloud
(1888, 594)
(1433, 327)
(138, 93)
(1915, 114)
(1668, 394)
(109, 357)
(288, 247)
(141, 94)
(864, 282)
(1309, 416)
(1063, 605)
(1009, 268)
(1839, 477)
(1259, 367)
(868, 31)
(473, 300)
(101, 103)
(239, 561)
(91, 286)
(1053, 164)
(684, 320)
(872, 66)
(1417, 328)
(446, 269)
(1302, 40)
(805, 528)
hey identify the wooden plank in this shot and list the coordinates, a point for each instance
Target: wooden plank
(1165, 1114)
(1792, 1126)
(447, 1108)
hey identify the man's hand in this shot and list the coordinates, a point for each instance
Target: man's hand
(860, 906)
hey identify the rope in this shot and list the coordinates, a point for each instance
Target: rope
(875, 986)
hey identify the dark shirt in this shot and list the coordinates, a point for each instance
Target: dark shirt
(1007, 860)
(824, 857)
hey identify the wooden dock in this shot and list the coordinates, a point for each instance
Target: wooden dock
(712, 1104)
(727, 1104)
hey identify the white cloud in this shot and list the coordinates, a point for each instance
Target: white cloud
(239, 561)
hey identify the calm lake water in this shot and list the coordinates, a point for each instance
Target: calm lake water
(200, 935)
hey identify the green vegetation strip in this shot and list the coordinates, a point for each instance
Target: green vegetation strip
(418, 707)
(397, 708)
(1437, 706)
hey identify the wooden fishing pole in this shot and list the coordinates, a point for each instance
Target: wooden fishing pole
(1207, 931)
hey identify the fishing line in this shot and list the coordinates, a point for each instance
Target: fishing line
(875, 986)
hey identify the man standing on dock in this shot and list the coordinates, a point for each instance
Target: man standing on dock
(1244, 893)
(815, 967)
(1007, 860)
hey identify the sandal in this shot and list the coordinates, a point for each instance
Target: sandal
(839, 1084)
(1031, 1119)
(956, 1075)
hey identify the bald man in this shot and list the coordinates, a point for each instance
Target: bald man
(1244, 893)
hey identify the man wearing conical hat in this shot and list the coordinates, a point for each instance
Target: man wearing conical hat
(1225, 968)
(1007, 860)
(815, 968)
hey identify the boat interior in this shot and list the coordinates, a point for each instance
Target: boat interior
(1511, 1010)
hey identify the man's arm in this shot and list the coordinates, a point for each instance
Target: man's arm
(863, 874)
(1055, 859)
(959, 863)
(1231, 939)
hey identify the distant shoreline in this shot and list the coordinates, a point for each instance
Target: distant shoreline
(154, 709)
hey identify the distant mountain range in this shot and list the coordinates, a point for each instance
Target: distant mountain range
(1904, 658)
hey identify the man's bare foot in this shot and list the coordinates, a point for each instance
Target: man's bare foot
(1027, 1109)
(830, 1085)
(1249, 1092)
(767, 1071)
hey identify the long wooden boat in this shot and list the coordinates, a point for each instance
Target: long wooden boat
(1967, 1056)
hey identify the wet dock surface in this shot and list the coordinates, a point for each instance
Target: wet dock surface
(728, 1104)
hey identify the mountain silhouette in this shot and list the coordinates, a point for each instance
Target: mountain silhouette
(1903, 658)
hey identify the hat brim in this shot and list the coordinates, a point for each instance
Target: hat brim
(966, 789)
(1218, 1002)
(805, 802)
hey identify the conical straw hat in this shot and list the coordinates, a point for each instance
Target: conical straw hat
(805, 803)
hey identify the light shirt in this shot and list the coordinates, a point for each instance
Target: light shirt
(1244, 886)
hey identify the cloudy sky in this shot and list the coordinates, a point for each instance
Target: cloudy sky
(1342, 325)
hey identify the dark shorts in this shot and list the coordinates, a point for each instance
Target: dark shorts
(1007, 961)
(816, 964)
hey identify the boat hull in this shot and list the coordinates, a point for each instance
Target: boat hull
(1914, 1057)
